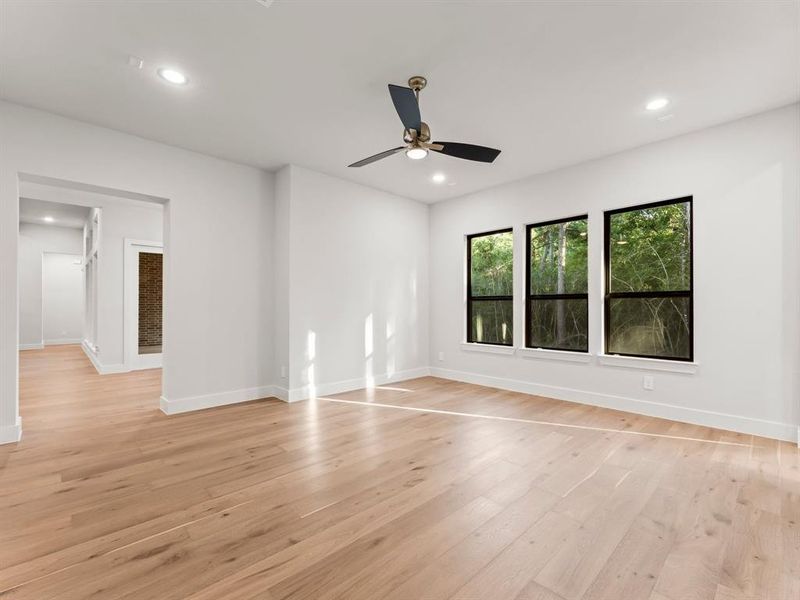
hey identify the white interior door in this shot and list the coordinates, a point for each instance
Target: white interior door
(143, 304)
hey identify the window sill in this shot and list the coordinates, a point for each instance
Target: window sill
(562, 355)
(649, 364)
(487, 348)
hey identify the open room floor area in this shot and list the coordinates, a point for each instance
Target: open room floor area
(422, 489)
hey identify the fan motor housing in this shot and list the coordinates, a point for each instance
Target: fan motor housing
(423, 135)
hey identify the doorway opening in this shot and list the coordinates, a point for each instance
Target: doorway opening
(144, 276)
(91, 273)
(51, 287)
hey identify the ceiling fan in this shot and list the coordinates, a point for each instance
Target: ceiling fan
(417, 134)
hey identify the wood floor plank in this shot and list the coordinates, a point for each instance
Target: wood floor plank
(421, 490)
(442, 577)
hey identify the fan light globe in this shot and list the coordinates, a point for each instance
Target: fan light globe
(416, 153)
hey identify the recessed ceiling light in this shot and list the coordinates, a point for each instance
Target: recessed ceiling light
(173, 76)
(438, 177)
(416, 153)
(135, 62)
(48, 219)
(657, 104)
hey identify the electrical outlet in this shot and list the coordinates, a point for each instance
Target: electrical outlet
(283, 372)
(648, 383)
(441, 356)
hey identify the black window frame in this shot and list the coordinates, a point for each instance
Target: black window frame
(663, 294)
(530, 298)
(471, 298)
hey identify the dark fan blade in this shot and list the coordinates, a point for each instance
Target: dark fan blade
(468, 151)
(405, 102)
(377, 157)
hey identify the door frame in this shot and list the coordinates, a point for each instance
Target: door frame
(133, 360)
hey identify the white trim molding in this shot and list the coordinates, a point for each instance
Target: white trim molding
(487, 348)
(11, 434)
(717, 420)
(101, 368)
(281, 393)
(771, 429)
(38, 346)
(348, 385)
(134, 361)
(182, 405)
(563, 355)
(63, 342)
(648, 364)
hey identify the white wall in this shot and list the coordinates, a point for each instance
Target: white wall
(358, 283)
(280, 253)
(255, 263)
(33, 241)
(744, 179)
(218, 278)
(62, 298)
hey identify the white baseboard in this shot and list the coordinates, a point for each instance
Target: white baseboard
(38, 346)
(182, 405)
(100, 367)
(771, 429)
(782, 431)
(10, 434)
(281, 393)
(63, 342)
(348, 385)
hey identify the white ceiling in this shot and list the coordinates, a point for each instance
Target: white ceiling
(64, 215)
(304, 82)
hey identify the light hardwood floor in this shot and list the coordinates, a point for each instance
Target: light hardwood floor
(107, 498)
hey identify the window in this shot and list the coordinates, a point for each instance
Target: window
(557, 315)
(490, 284)
(648, 260)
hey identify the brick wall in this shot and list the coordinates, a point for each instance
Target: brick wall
(150, 294)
